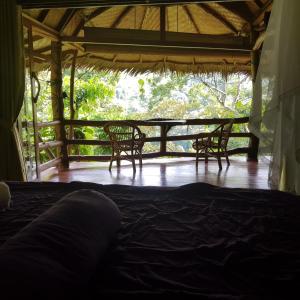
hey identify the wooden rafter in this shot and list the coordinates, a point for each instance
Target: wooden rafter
(37, 54)
(97, 12)
(261, 12)
(34, 39)
(239, 9)
(40, 28)
(44, 49)
(95, 3)
(159, 50)
(144, 17)
(162, 22)
(124, 13)
(110, 36)
(46, 31)
(79, 27)
(66, 18)
(191, 17)
(259, 3)
(208, 9)
(43, 15)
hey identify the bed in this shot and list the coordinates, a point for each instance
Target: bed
(194, 240)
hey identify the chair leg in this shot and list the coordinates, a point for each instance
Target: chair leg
(206, 156)
(133, 161)
(140, 159)
(111, 161)
(133, 165)
(197, 158)
(219, 162)
(227, 159)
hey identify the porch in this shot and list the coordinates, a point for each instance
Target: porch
(80, 49)
(166, 172)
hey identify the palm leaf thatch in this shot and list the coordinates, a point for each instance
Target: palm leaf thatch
(187, 38)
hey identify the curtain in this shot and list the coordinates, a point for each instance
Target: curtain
(11, 90)
(275, 117)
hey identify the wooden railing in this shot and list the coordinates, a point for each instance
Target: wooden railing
(46, 146)
(165, 126)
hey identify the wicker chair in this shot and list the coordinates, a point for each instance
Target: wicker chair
(127, 142)
(215, 146)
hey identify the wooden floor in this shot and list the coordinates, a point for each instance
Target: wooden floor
(167, 172)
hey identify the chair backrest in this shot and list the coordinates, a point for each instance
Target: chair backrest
(225, 131)
(119, 133)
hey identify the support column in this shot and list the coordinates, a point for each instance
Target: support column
(72, 109)
(256, 109)
(57, 99)
(34, 98)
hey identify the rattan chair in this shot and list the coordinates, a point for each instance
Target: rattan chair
(127, 142)
(215, 144)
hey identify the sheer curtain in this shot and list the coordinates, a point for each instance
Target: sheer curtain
(11, 90)
(276, 105)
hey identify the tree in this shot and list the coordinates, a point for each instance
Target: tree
(114, 96)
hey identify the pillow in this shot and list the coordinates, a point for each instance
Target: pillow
(5, 196)
(59, 251)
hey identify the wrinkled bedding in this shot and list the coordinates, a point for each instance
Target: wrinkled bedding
(194, 240)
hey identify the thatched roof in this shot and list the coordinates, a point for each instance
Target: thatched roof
(195, 37)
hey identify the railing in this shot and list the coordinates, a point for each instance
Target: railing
(46, 146)
(165, 126)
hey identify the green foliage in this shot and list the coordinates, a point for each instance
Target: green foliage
(112, 96)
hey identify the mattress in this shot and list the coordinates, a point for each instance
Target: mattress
(194, 240)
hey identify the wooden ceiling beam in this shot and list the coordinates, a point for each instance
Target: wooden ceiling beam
(122, 15)
(44, 49)
(97, 3)
(66, 18)
(97, 12)
(34, 39)
(218, 16)
(144, 17)
(259, 3)
(239, 9)
(109, 36)
(38, 55)
(40, 28)
(43, 15)
(79, 27)
(162, 22)
(258, 17)
(158, 50)
(46, 31)
(189, 14)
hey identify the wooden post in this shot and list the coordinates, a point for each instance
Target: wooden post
(162, 23)
(257, 93)
(57, 99)
(163, 143)
(72, 110)
(33, 101)
(257, 105)
(164, 129)
(253, 148)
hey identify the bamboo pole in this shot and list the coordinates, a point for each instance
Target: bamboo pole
(72, 109)
(33, 101)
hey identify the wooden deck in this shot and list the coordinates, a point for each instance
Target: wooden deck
(167, 172)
